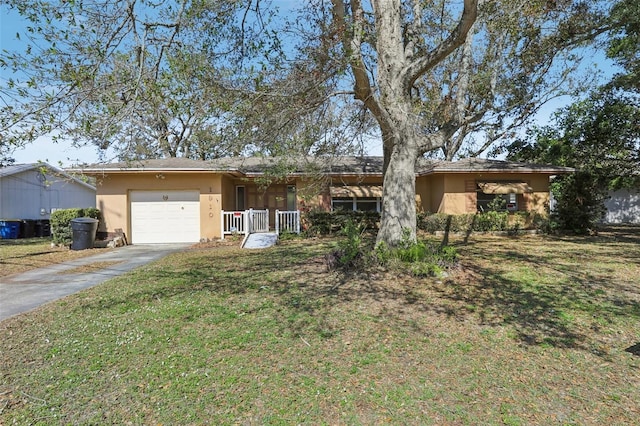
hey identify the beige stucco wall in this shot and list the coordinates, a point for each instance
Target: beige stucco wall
(454, 200)
(423, 192)
(538, 201)
(441, 193)
(229, 193)
(112, 197)
(450, 192)
(312, 194)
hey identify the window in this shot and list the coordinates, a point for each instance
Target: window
(240, 198)
(365, 204)
(291, 198)
(501, 196)
(497, 202)
(342, 204)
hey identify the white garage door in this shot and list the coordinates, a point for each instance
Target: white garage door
(165, 217)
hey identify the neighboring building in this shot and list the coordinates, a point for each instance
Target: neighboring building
(33, 191)
(181, 200)
(623, 206)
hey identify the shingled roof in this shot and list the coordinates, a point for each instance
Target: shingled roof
(346, 165)
(497, 166)
(15, 169)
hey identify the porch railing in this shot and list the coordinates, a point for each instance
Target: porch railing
(244, 222)
(287, 221)
(234, 223)
(258, 220)
(252, 221)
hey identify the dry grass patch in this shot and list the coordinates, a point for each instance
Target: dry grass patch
(529, 330)
(22, 255)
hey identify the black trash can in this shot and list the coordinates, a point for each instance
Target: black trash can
(84, 232)
(28, 228)
(43, 228)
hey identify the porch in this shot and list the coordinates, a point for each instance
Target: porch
(252, 221)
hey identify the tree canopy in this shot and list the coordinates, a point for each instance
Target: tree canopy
(431, 75)
(600, 134)
(149, 79)
(600, 137)
(624, 45)
(209, 78)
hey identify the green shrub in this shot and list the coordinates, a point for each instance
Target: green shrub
(579, 202)
(480, 222)
(498, 204)
(60, 221)
(414, 253)
(425, 269)
(350, 247)
(419, 258)
(448, 254)
(545, 224)
(319, 222)
(381, 254)
(432, 222)
(491, 221)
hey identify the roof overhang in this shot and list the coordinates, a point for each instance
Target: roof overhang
(255, 167)
(359, 191)
(505, 187)
(45, 168)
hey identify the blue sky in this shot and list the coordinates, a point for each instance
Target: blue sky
(64, 154)
(43, 149)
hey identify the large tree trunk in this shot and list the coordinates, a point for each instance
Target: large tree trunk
(400, 60)
(398, 220)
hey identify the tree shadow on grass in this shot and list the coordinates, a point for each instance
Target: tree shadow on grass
(545, 299)
(540, 305)
(635, 349)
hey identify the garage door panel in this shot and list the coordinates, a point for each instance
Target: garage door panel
(165, 216)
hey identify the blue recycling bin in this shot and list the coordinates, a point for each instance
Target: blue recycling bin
(9, 229)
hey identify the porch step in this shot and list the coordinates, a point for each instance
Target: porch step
(261, 240)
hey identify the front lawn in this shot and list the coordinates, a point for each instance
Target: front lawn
(527, 330)
(24, 254)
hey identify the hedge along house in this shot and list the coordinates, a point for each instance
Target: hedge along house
(182, 200)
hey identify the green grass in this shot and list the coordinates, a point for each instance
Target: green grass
(531, 330)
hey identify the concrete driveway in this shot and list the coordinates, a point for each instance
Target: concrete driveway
(23, 292)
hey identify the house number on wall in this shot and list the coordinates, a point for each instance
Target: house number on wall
(210, 205)
(165, 197)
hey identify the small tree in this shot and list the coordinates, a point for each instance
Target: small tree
(579, 202)
(599, 136)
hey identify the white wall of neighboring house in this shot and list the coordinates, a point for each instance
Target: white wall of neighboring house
(32, 191)
(623, 206)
